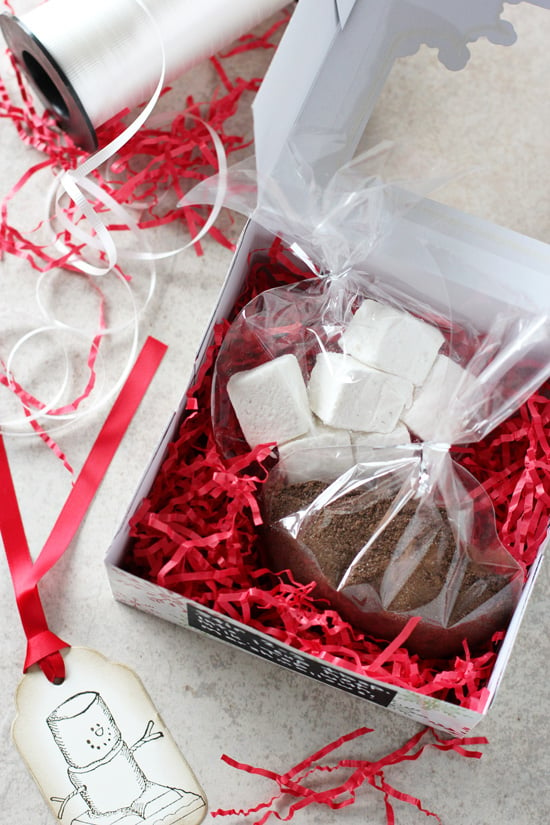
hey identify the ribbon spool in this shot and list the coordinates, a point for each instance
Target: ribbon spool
(89, 60)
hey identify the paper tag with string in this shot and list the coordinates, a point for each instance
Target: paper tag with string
(86, 728)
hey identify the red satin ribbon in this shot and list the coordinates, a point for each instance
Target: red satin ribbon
(43, 646)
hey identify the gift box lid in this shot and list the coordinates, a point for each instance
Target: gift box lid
(333, 61)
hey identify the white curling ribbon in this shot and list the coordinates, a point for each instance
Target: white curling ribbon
(74, 184)
(47, 411)
(77, 185)
(70, 417)
(107, 55)
(46, 407)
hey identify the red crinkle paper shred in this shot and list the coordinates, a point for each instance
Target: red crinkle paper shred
(195, 533)
(350, 774)
(513, 466)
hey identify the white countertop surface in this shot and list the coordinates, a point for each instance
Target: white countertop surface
(493, 121)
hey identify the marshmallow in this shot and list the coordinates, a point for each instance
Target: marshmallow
(431, 415)
(388, 339)
(270, 401)
(363, 442)
(349, 395)
(321, 456)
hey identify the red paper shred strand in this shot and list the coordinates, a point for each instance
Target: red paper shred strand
(395, 644)
(517, 478)
(51, 444)
(292, 783)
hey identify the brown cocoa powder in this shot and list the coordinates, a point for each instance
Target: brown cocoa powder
(336, 533)
(478, 585)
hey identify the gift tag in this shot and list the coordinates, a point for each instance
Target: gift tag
(88, 731)
(99, 750)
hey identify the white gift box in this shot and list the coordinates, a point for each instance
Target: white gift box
(478, 263)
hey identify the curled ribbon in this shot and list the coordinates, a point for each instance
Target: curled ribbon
(78, 226)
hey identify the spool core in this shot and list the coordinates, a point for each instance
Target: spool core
(49, 81)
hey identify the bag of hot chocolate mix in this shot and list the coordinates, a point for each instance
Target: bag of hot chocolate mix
(383, 547)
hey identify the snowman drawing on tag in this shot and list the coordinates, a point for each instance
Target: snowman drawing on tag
(105, 773)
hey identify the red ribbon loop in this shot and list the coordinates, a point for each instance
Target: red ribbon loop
(41, 642)
(43, 649)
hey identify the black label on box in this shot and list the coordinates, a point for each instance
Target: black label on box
(281, 654)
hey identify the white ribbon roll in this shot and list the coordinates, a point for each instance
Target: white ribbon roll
(90, 59)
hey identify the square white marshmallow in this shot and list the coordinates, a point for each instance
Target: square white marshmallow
(270, 401)
(352, 396)
(430, 416)
(391, 340)
(321, 456)
(363, 442)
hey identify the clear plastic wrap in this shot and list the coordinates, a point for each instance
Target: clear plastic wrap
(384, 546)
(362, 387)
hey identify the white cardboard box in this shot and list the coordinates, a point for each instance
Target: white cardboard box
(345, 40)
